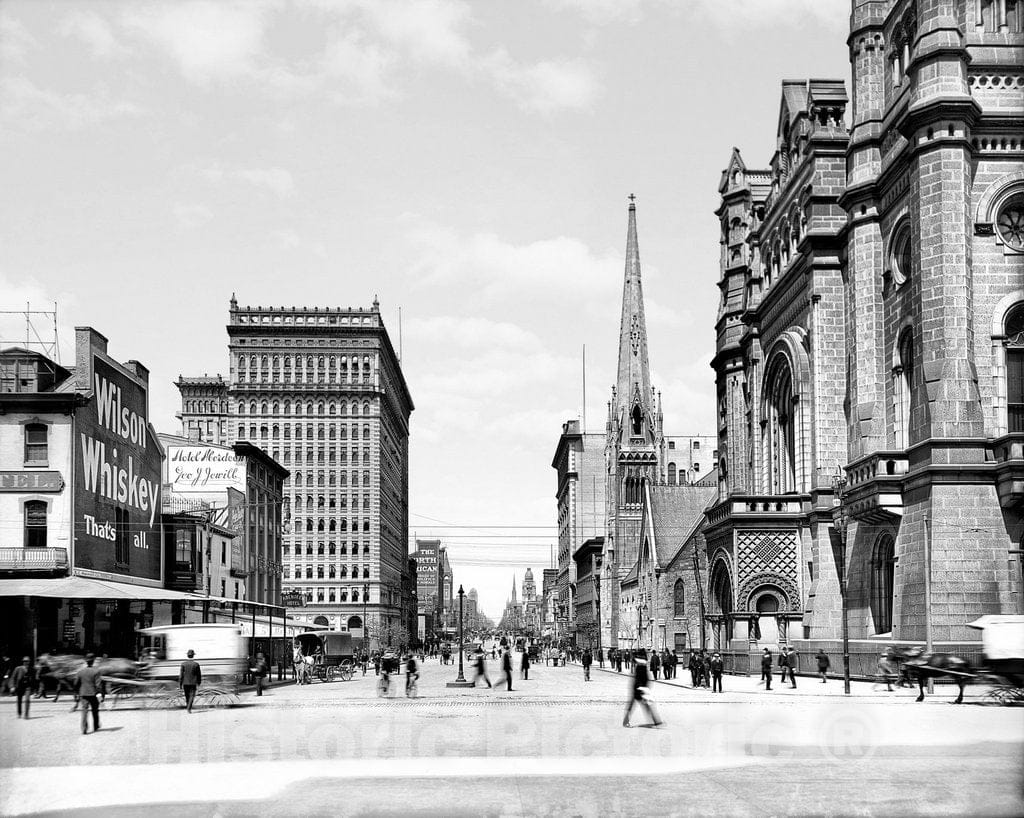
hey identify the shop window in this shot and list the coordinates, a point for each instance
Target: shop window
(35, 524)
(36, 449)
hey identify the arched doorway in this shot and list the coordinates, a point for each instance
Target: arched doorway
(721, 603)
(766, 601)
(322, 621)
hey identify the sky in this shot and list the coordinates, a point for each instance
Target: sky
(466, 163)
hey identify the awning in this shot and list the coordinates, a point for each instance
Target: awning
(88, 588)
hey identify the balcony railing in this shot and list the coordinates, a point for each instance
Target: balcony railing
(875, 486)
(1009, 456)
(762, 506)
(33, 559)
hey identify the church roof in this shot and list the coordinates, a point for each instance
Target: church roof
(674, 513)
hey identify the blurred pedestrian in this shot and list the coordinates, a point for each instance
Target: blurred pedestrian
(766, 668)
(885, 670)
(694, 668)
(21, 683)
(587, 659)
(412, 673)
(524, 664)
(655, 664)
(600, 658)
(89, 687)
(640, 692)
(506, 667)
(717, 667)
(481, 668)
(823, 664)
(190, 676)
(705, 658)
(260, 672)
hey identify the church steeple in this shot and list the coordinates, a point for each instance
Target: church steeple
(514, 600)
(634, 405)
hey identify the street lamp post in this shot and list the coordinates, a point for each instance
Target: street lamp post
(842, 520)
(460, 680)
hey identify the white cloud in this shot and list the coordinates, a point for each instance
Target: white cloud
(15, 41)
(192, 215)
(472, 333)
(427, 30)
(94, 31)
(491, 268)
(208, 40)
(545, 86)
(727, 15)
(25, 105)
(276, 180)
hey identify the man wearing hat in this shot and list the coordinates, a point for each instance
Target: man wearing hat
(21, 684)
(89, 686)
(190, 676)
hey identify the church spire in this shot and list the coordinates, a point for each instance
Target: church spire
(633, 402)
(513, 590)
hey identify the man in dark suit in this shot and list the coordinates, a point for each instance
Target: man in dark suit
(766, 668)
(190, 676)
(506, 666)
(21, 684)
(89, 686)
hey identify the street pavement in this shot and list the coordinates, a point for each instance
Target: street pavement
(555, 745)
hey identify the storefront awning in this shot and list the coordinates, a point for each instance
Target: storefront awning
(87, 588)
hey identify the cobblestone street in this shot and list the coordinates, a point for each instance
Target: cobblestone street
(337, 748)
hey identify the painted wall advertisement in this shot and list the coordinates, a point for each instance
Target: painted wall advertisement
(117, 479)
(204, 470)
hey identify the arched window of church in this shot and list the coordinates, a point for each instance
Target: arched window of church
(1014, 329)
(903, 384)
(679, 599)
(883, 575)
(671, 474)
(781, 428)
(637, 421)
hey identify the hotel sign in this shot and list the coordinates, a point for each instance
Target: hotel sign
(15, 481)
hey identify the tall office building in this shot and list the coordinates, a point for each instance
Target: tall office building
(321, 390)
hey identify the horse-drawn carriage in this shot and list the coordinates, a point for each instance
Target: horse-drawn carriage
(1001, 665)
(323, 655)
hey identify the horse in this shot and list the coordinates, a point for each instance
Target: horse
(935, 665)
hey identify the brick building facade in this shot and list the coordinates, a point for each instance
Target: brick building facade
(872, 282)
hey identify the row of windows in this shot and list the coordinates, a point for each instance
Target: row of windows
(330, 549)
(309, 408)
(336, 595)
(275, 361)
(333, 526)
(321, 476)
(332, 572)
(288, 377)
(322, 432)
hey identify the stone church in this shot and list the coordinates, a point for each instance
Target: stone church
(870, 342)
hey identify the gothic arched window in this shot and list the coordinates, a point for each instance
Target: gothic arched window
(781, 428)
(671, 474)
(679, 599)
(1014, 330)
(903, 384)
(883, 575)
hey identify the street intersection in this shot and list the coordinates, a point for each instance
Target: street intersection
(554, 745)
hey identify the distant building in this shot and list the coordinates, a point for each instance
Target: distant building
(579, 461)
(588, 592)
(322, 391)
